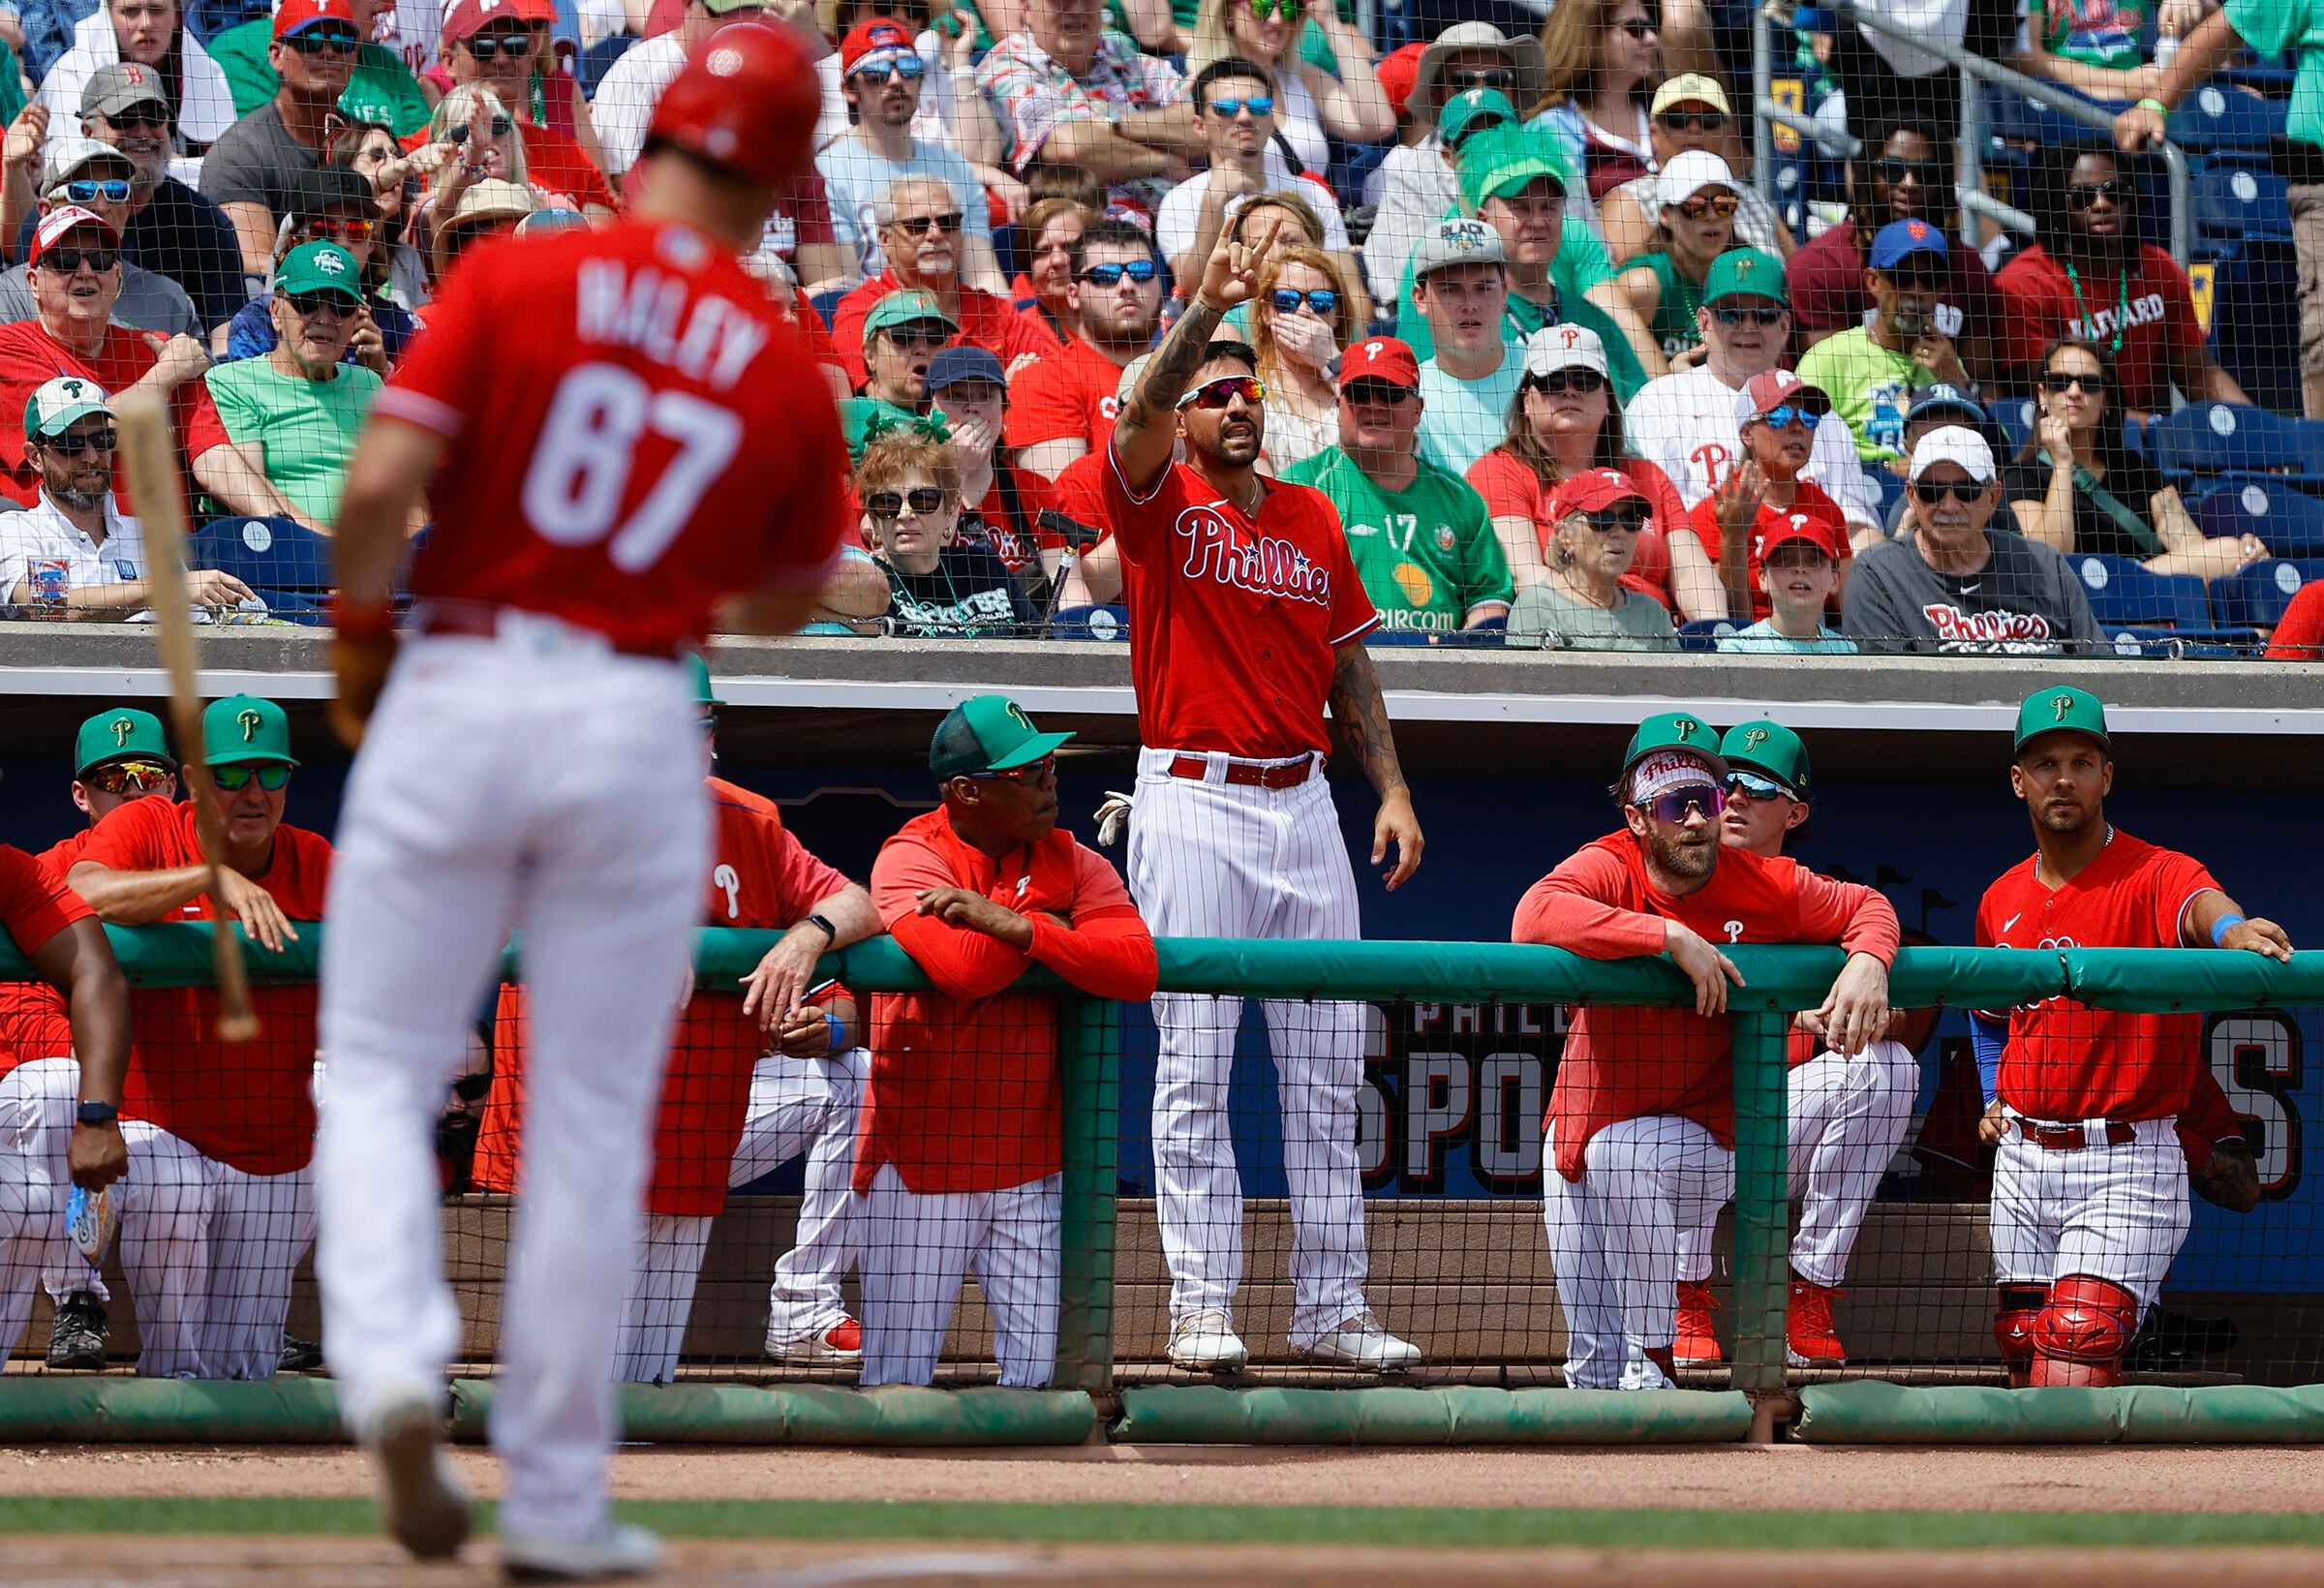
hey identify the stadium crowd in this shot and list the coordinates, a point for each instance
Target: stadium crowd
(1507, 256)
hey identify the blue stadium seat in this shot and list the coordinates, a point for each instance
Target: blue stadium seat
(1091, 623)
(1008, 249)
(827, 304)
(2253, 319)
(597, 60)
(2014, 415)
(2122, 591)
(2222, 118)
(2182, 644)
(2238, 204)
(1705, 633)
(2211, 439)
(2289, 522)
(2257, 596)
(272, 553)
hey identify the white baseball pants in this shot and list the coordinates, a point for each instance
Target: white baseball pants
(2112, 1212)
(533, 780)
(1846, 1118)
(797, 1105)
(27, 1093)
(1613, 1235)
(917, 1247)
(1214, 859)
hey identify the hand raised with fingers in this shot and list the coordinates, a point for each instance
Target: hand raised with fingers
(1230, 276)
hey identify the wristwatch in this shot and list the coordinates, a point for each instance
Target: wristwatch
(96, 1114)
(831, 934)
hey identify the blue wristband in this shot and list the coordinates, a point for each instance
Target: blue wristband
(839, 1032)
(2220, 928)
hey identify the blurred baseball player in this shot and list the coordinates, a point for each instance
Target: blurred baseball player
(603, 413)
(1848, 1112)
(958, 1157)
(1639, 1139)
(1246, 619)
(2090, 1180)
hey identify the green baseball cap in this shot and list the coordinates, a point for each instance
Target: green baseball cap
(1770, 749)
(987, 733)
(1503, 159)
(704, 695)
(1675, 730)
(320, 267)
(1745, 272)
(116, 735)
(1470, 108)
(243, 728)
(2062, 710)
(907, 307)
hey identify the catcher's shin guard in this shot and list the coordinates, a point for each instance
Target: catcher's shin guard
(2080, 1336)
(2017, 1306)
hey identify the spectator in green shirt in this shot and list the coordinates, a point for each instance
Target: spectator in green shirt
(2089, 44)
(379, 88)
(1870, 370)
(299, 408)
(1419, 535)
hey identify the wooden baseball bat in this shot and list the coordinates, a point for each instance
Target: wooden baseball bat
(157, 496)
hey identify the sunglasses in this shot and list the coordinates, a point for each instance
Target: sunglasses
(1748, 786)
(1259, 104)
(1109, 275)
(472, 1088)
(271, 776)
(1932, 492)
(1262, 9)
(906, 338)
(137, 121)
(133, 776)
(113, 189)
(72, 447)
(1483, 124)
(485, 46)
(1610, 520)
(353, 230)
(2086, 195)
(1918, 281)
(887, 506)
(321, 303)
(1564, 380)
(1703, 205)
(1637, 27)
(1756, 316)
(1033, 772)
(1674, 805)
(1681, 121)
(922, 226)
(1382, 393)
(316, 41)
(501, 127)
(910, 68)
(1488, 76)
(65, 260)
(2054, 381)
(1895, 170)
(1783, 415)
(1225, 389)
(1321, 299)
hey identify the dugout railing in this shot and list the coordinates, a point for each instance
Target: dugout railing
(1104, 1301)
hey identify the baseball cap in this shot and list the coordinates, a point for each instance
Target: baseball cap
(1473, 110)
(68, 154)
(1944, 399)
(62, 220)
(746, 100)
(1820, 532)
(1501, 159)
(1899, 240)
(1693, 171)
(1456, 242)
(1954, 443)
(1592, 491)
(243, 728)
(1690, 88)
(1770, 749)
(55, 403)
(112, 736)
(1684, 732)
(1398, 72)
(1520, 51)
(466, 18)
(490, 199)
(721, 8)
(315, 189)
(698, 667)
(1555, 348)
(114, 88)
(320, 267)
(904, 307)
(1744, 272)
(297, 16)
(2062, 708)
(1380, 358)
(1772, 389)
(953, 365)
(881, 36)
(987, 733)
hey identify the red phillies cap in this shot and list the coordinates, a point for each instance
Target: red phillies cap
(746, 100)
(466, 18)
(1772, 389)
(61, 221)
(868, 37)
(1398, 71)
(1820, 532)
(1591, 491)
(1380, 358)
(304, 14)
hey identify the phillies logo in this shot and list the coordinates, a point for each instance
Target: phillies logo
(1956, 627)
(1262, 564)
(2063, 703)
(727, 881)
(122, 728)
(251, 722)
(1733, 931)
(1753, 739)
(1686, 727)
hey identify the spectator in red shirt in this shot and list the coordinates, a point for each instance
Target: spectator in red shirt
(2300, 636)
(1063, 408)
(919, 220)
(1764, 493)
(2089, 277)
(471, 138)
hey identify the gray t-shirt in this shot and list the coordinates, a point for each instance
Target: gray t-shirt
(854, 177)
(148, 302)
(1546, 617)
(257, 161)
(2023, 602)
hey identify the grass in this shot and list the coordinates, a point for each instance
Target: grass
(1496, 1528)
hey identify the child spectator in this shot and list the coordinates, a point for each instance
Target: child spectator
(1796, 576)
(1775, 416)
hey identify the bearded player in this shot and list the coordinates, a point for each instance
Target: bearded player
(601, 412)
(2089, 1179)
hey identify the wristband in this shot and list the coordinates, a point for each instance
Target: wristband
(2220, 928)
(838, 1032)
(362, 621)
(2154, 105)
(96, 1114)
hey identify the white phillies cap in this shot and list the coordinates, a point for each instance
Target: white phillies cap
(1693, 171)
(1954, 443)
(1555, 348)
(58, 403)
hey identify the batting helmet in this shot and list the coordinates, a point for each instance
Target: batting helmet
(746, 100)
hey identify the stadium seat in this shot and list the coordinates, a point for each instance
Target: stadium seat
(2222, 118)
(1705, 633)
(2014, 415)
(2289, 522)
(598, 58)
(285, 564)
(2182, 644)
(2255, 597)
(2122, 591)
(2229, 439)
(2238, 204)
(827, 304)
(2254, 290)
(1091, 623)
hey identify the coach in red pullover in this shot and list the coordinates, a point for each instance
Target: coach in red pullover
(1640, 1134)
(958, 1147)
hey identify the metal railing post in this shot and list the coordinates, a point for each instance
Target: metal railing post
(1763, 94)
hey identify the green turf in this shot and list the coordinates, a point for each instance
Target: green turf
(1499, 1528)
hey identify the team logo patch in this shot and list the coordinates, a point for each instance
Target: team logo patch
(331, 264)
(1018, 717)
(1687, 728)
(2062, 703)
(1444, 537)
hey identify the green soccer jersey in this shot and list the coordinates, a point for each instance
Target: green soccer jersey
(379, 87)
(1870, 388)
(1428, 554)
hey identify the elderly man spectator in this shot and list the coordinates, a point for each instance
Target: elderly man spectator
(1690, 111)
(1950, 583)
(380, 87)
(76, 278)
(1459, 281)
(99, 178)
(74, 553)
(1070, 92)
(297, 410)
(332, 205)
(171, 229)
(250, 170)
(625, 100)
(149, 33)
(920, 220)
(1063, 408)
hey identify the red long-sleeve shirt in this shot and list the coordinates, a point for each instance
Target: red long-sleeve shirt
(964, 1092)
(1628, 1064)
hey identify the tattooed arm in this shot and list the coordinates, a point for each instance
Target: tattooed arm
(1363, 715)
(1148, 424)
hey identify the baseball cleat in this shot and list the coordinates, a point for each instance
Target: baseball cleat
(1640, 1373)
(1697, 1344)
(76, 1338)
(1808, 1329)
(841, 1342)
(299, 1355)
(419, 1500)
(1361, 1342)
(1205, 1342)
(616, 1549)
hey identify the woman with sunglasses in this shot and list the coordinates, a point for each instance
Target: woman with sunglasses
(2075, 486)
(1700, 199)
(1311, 102)
(1597, 517)
(1599, 58)
(473, 137)
(908, 488)
(1303, 320)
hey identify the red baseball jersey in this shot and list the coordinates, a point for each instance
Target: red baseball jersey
(761, 877)
(2067, 1061)
(35, 906)
(1233, 623)
(614, 406)
(34, 1023)
(247, 1104)
(1067, 396)
(1628, 1064)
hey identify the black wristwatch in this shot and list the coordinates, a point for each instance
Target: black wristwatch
(96, 1114)
(831, 934)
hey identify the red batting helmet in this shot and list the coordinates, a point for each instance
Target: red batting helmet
(746, 100)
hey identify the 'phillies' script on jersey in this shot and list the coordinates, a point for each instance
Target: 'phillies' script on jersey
(641, 307)
(1261, 563)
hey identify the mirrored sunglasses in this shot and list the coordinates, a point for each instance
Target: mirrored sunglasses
(136, 775)
(1220, 392)
(1321, 299)
(1749, 786)
(346, 229)
(910, 68)
(1723, 205)
(1674, 805)
(1140, 271)
(271, 776)
(1783, 415)
(1259, 104)
(314, 40)
(113, 189)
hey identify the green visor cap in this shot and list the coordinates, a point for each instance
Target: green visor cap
(2067, 709)
(698, 668)
(987, 733)
(243, 728)
(115, 736)
(1744, 272)
(1770, 749)
(1675, 730)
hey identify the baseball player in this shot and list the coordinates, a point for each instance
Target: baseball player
(222, 1204)
(2090, 1180)
(1848, 1112)
(957, 1155)
(1246, 618)
(1639, 1139)
(745, 1092)
(603, 412)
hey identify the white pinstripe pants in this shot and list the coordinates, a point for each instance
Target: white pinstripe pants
(916, 1247)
